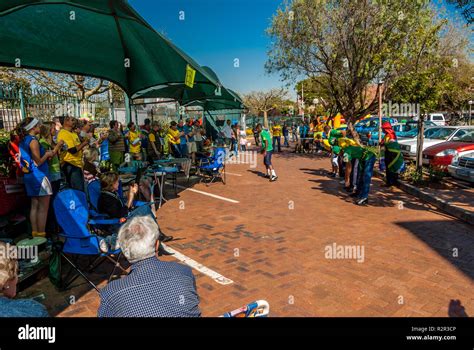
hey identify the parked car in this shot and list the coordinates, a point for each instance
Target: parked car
(432, 136)
(373, 137)
(463, 167)
(367, 126)
(437, 118)
(412, 129)
(442, 154)
(402, 130)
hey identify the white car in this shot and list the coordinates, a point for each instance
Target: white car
(432, 136)
(436, 118)
(463, 167)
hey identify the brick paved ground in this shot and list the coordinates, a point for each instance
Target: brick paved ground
(272, 245)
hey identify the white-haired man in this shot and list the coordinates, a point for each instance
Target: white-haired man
(153, 288)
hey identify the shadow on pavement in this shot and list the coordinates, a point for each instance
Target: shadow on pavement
(379, 196)
(452, 242)
(258, 173)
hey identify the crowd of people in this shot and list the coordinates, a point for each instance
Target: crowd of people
(350, 162)
(68, 152)
(235, 137)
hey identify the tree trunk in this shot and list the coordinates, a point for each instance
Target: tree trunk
(265, 119)
(355, 135)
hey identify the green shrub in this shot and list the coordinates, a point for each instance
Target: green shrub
(436, 174)
(412, 175)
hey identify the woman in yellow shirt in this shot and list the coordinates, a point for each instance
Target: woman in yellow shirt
(134, 141)
(174, 139)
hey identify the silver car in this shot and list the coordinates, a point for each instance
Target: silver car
(433, 136)
(463, 168)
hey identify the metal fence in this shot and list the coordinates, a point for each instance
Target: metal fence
(16, 104)
(10, 108)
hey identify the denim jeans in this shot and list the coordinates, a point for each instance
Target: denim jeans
(175, 151)
(287, 143)
(267, 160)
(364, 178)
(276, 139)
(235, 147)
(355, 172)
(183, 149)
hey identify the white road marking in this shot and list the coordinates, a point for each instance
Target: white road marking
(233, 174)
(206, 194)
(217, 277)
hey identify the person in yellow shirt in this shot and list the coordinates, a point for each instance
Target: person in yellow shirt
(154, 142)
(134, 141)
(351, 167)
(318, 140)
(174, 136)
(71, 156)
(320, 125)
(277, 133)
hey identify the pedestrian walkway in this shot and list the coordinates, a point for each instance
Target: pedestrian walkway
(275, 241)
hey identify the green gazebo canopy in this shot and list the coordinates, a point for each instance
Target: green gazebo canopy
(101, 38)
(206, 96)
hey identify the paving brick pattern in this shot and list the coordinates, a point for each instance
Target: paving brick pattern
(272, 245)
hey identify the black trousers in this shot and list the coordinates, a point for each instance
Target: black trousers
(73, 176)
(392, 178)
(52, 226)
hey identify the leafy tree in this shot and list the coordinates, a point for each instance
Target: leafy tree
(9, 78)
(78, 86)
(347, 46)
(264, 102)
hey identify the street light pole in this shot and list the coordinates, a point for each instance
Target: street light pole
(470, 111)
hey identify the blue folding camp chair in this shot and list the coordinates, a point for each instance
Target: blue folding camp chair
(80, 238)
(212, 168)
(93, 189)
(93, 193)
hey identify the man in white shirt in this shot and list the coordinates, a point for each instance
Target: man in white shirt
(227, 133)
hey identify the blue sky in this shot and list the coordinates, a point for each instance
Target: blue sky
(215, 32)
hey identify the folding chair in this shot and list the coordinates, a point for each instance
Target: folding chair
(93, 193)
(93, 190)
(72, 214)
(259, 308)
(213, 167)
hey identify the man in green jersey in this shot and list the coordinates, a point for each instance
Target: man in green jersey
(366, 159)
(267, 151)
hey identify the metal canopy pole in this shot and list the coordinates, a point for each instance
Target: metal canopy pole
(111, 105)
(128, 112)
(22, 104)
